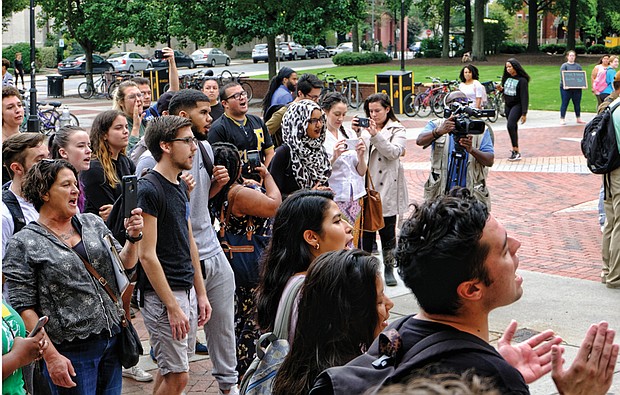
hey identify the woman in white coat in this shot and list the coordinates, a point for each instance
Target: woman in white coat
(386, 147)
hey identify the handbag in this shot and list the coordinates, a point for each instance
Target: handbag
(242, 250)
(129, 344)
(372, 211)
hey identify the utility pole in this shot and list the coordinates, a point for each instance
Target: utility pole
(33, 118)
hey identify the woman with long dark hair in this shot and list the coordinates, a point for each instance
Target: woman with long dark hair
(386, 146)
(516, 95)
(307, 224)
(109, 137)
(342, 309)
(250, 208)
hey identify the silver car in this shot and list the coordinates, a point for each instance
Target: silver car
(210, 57)
(129, 61)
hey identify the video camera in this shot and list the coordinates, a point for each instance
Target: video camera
(463, 124)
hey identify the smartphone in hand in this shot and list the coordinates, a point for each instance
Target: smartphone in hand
(350, 144)
(40, 324)
(130, 194)
(253, 160)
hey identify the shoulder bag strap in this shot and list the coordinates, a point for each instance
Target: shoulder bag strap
(225, 211)
(206, 159)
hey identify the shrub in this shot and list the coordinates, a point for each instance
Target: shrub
(553, 48)
(430, 43)
(48, 57)
(511, 47)
(597, 49)
(614, 50)
(357, 58)
(580, 49)
(24, 48)
(432, 53)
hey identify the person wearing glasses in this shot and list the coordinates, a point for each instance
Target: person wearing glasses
(247, 132)
(172, 288)
(308, 87)
(129, 100)
(302, 162)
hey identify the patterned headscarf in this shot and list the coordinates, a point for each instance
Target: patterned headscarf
(309, 160)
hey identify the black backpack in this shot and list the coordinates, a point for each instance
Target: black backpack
(599, 144)
(11, 202)
(381, 365)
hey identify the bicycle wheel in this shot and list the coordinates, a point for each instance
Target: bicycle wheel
(409, 109)
(226, 77)
(112, 89)
(248, 89)
(437, 104)
(421, 105)
(48, 121)
(86, 90)
(491, 104)
(500, 105)
(73, 122)
(355, 96)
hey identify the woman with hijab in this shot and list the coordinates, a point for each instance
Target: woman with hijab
(301, 162)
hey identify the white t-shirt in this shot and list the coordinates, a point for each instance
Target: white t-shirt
(473, 91)
(345, 181)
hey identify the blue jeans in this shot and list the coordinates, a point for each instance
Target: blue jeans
(97, 367)
(567, 96)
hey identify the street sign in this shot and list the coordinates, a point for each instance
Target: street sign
(428, 32)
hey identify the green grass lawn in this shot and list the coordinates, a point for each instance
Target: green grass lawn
(544, 84)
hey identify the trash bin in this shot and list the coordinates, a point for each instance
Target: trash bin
(158, 78)
(55, 86)
(397, 85)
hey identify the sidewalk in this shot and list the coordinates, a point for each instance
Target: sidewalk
(548, 201)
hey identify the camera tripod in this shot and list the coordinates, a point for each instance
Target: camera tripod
(457, 171)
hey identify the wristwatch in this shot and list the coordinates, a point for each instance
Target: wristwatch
(133, 240)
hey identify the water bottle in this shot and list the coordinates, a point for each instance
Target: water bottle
(65, 117)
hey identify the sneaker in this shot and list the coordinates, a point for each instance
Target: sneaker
(233, 391)
(515, 156)
(137, 374)
(562, 121)
(201, 348)
(152, 354)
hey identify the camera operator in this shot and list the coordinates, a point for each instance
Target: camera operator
(462, 160)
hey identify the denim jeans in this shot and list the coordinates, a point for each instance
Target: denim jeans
(97, 367)
(568, 95)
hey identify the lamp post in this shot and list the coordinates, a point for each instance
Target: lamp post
(402, 35)
(33, 118)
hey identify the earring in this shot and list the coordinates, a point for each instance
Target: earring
(316, 247)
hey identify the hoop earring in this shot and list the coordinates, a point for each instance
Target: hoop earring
(316, 247)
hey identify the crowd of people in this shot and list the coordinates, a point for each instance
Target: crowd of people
(237, 217)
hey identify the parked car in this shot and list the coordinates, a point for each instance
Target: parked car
(129, 61)
(316, 52)
(259, 53)
(344, 47)
(331, 49)
(76, 65)
(181, 59)
(291, 51)
(210, 57)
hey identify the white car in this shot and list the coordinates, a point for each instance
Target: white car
(210, 57)
(129, 61)
(344, 47)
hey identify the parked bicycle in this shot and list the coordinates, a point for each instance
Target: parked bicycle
(423, 102)
(98, 88)
(50, 120)
(495, 100)
(329, 83)
(350, 89)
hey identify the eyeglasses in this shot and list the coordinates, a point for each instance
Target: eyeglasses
(186, 140)
(314, 121)
(131, 97)
(237, 95)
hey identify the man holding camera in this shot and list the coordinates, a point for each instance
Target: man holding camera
(462, 160)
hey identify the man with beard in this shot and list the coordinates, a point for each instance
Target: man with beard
(207, 180)
(173, 291)
(281, 88)
(246, 132)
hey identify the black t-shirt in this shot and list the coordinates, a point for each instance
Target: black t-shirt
(216, 111)
(250, 135)
(508, 379)
(97, 190)
(172, 230)
(282, 171)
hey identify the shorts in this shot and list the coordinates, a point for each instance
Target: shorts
(172, 355)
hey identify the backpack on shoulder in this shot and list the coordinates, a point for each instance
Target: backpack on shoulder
(384, 362)
(271, 350)
(600, 82)
(599, 144)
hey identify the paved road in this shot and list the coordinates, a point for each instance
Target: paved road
(547, 200)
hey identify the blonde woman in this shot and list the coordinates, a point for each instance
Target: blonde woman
(129, 100)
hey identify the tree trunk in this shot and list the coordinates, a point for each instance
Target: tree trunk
(355, 37)
(468, 27)
(271, 53)
(532, 27)
(88, 50)
(572, 25)
(478, 47)
(445, 51)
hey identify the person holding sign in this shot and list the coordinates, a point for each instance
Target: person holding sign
(567, 92)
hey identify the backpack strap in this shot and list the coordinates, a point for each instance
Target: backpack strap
(282, 325)
(11, 202)
(206, 159)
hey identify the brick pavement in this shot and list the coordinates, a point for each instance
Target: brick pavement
(548, 201)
